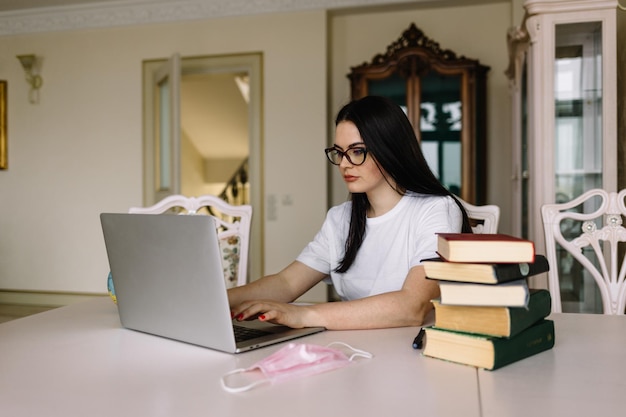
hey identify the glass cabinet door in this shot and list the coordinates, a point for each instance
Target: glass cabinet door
(441, 125)
(577, 146)
(578, 109)
(393, 87)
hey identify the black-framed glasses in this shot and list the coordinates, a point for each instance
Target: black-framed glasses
(356, 156)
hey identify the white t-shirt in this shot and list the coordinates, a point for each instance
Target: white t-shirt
(393, 244)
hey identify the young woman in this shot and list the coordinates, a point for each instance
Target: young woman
(370, 247)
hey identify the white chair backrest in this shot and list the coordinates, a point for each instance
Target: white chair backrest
(486, 218)
(600, 231)
(233, 224)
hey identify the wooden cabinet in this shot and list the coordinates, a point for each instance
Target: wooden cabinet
(444, 96)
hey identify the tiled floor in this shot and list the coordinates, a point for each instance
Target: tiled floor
(15, 311)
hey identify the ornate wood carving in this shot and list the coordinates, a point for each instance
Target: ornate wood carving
(413, 53)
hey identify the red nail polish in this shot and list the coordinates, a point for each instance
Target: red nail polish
(262, 317)
(240, 317)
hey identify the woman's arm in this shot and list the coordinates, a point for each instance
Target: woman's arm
(285, 286)
(406, 307)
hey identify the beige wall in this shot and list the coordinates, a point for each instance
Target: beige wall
(79, 151)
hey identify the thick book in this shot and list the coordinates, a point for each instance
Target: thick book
(484, 273)
(494, 321)
(507, 294)
(485, 351)
(489, 248)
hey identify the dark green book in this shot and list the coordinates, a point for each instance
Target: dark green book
(494, 321)
(483, 273)
(486, 351)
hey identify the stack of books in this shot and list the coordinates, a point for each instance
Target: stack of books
(486, 315)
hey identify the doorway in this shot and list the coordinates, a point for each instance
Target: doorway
(202, 133)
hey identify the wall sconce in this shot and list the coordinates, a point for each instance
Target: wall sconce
(29, 63)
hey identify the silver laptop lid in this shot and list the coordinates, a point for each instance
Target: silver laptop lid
(168, 277)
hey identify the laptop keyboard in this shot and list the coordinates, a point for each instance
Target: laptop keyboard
(245, 333)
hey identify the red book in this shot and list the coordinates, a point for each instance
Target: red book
(477, 248)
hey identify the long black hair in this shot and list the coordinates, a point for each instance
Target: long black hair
(391, 140)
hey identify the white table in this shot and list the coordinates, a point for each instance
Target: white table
(78, 361)
(583, 375)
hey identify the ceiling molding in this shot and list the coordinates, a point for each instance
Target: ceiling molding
(136, 12)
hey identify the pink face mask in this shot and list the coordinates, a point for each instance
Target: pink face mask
(293, 360)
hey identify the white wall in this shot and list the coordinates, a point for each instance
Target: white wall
(79, 151)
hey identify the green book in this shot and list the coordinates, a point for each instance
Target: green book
(494, 321)
(486, 351)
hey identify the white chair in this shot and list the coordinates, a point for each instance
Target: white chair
(484, 219)
(233, 225)
(589, 228)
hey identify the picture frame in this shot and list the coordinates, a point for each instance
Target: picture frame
(3, 125)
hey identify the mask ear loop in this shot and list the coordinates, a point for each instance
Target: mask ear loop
(242, 388)
(357, 352)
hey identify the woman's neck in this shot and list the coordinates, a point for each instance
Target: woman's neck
(382, 201)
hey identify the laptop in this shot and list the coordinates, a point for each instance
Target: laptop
(169, 282)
